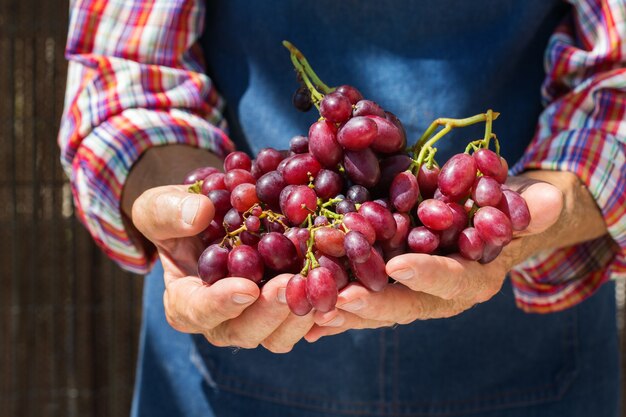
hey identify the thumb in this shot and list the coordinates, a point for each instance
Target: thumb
(171, 212)
(545, 204)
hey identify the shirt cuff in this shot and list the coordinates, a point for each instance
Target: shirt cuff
(557, 279)
(103, 161)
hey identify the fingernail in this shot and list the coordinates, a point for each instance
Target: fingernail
(189, 209)
(353, 305)
(402, 274)
(336, 322)
(280, 295)
(239, 298)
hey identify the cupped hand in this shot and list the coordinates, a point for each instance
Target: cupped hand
(231, 312)
(429, 286)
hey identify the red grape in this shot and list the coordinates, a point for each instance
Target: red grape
(356, 221)
(300, 169)
(389, 137)
(237, 160)
(358, 133)
(277, 251)
(350, 92)
(422, 240)
(213, 264)
(514, 206)
(199, 174)
(244, 261)
(380, 218)
(435, 214)
(371, 273)
(486, 191)
(336, 107)
(362, 167)
(243, 197)
(328, 184)
(295, 293)
(357, 248)
(321, 289)
(336, 268)
(493, 226)
(323, 145)
(299, 204)
(238, 176)
(490, 164)
(404, 191)
(470, 244)
(457, 176)
(330, 241)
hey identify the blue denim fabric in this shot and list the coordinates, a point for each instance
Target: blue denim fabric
(493, 360)
(420, 60)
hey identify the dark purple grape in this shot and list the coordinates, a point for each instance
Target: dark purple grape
(435, 214)
(232, 220)
(514, 206)
(320, 221)
(295, 293)
(244, 261)
(486, 191)
(470, 244)
(301, 99)
(362, 167)
(250, 239)
(358, 194)
(328, 184)
(213, 264)
(357, 248)
(253, 224)
(493, 226)
(457, 176)
(199, 174)
(389, 137)
(371, 273)
(213, 232)
(423, 240)
(380, 218)
(221, 202)
(299, 144)
(427, 179)
(404, 192)
(277, 251)
(268, 188)
(323, 143)
(345, 206)
(321, 289)
(358, 133)
(237, 160)
(389, 168)
(350, 92)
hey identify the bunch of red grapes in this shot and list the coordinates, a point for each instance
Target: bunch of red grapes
(349, 196)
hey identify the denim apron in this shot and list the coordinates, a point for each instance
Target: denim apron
(421, 60)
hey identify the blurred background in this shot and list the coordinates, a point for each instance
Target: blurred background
(69, 317)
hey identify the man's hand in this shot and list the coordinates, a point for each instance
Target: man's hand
(562, 212)
(232, 311)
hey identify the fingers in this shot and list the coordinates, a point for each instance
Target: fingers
(193, 307)
(290, 332)
(168, 212)
(258, 321)
(445, 277)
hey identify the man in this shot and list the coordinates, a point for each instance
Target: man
(141, 112)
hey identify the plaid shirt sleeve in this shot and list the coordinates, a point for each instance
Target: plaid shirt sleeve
(582, 130)
(135, 80)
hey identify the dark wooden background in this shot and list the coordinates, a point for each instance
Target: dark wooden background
(69, 318)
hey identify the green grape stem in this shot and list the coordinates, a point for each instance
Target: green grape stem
(424, 146)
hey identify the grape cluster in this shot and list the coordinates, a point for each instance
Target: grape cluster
(350, 195)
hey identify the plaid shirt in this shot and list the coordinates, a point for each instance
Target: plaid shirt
(125, 95)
